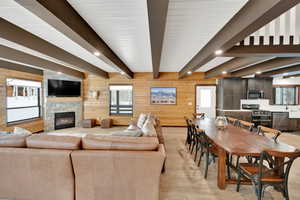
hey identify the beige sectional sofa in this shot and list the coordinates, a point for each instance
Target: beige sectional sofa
(44, 167)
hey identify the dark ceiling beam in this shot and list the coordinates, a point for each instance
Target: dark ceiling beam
(267, 65)
(19, 36)
(20, 68)
(63, 17)
(14, 55)
(264, 50)
(292, 76)
(157, 15)
(249, 19)
(284, 70)
(233, 64)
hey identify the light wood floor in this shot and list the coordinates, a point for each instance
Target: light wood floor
(183, 180)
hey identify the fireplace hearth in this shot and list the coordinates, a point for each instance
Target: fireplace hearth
(64, 120)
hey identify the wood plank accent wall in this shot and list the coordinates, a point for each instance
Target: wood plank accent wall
(170, 115)
(35, 125)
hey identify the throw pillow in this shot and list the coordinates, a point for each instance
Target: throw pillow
(21, 131)
(141, 120)
(133, 133)
(148, 129)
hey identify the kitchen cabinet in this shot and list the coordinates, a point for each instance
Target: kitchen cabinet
(282, 122)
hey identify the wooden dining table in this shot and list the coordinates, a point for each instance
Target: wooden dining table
(238, 141)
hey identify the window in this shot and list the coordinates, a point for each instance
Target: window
(285, 95)
(22, 100)
(120, 99)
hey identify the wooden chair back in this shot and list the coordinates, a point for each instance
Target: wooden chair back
(199, 115)
(246, 125)
(232, 121)
(262, 130)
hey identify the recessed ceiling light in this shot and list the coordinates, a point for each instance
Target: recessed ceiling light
(258, 72)
(293, 77)
(122, 73)
(218, 52)
(96, 53)
(59, 73)
(224, 72)
(189, 72)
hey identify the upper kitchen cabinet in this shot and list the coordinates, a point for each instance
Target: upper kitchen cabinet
(231, 90)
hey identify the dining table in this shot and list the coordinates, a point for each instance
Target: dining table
(233, 140)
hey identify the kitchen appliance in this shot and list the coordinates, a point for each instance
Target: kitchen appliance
(255, 94)
(250, 106)
(262, 117)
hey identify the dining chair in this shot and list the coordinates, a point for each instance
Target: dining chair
(262, 176)
(262, 130)
(245, 125)
(232, 121)
(209, 149)
(199, 115)
(188, 131)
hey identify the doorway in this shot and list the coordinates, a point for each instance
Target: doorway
(206, 100)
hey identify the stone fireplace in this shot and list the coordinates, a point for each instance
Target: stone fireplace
(56, 107)
(64, 120)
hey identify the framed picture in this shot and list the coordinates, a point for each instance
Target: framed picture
(163, 95)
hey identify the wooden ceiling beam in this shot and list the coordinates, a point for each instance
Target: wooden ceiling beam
(284, 70)
(264, 50)
(267, 65)
(14, 55)
(157, 15)
(232, 65)
(18, 67)
(19, 36)
(249, 19)
(292, 76)
(63, 17)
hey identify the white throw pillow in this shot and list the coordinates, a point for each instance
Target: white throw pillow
(141, 120)
(21, 131)
(148, 129)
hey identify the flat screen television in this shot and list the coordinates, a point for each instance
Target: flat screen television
(61, 88)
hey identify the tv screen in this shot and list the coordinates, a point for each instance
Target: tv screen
(60, 88)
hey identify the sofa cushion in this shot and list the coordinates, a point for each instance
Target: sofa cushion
(53, 142)
(149, 129)
(129, 132)
(119, 143)
(141, 120)
(13, 140)
(21, 131)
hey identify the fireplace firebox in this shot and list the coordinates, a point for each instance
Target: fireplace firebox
(64, 120)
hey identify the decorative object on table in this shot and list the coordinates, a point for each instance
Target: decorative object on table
(88, 123)
(163, 95)
(221, 122)
(106, 123)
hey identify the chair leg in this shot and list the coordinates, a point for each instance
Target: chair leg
(206, 164)
(197, 149)
(259, 191)
(286, 191)
(201, 154)
(229, 157)
(238, 181)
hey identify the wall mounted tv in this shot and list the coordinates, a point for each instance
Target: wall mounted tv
(61, 88)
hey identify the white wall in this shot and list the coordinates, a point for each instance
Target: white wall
(286, 81)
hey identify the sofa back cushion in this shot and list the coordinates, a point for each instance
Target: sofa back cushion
(13, 140)
(36, 174)
(119, 143)
(53, 142)
(117, 175)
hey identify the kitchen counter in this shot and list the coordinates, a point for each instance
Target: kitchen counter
(292, 110)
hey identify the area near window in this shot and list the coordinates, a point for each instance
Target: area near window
(286, 95)
(23, 100)
(120, 99)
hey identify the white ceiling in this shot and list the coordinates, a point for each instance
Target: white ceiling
(190, 25)
(16, 14)
(123, 25)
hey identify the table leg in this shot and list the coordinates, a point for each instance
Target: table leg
(221, 168)
(279, 172)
